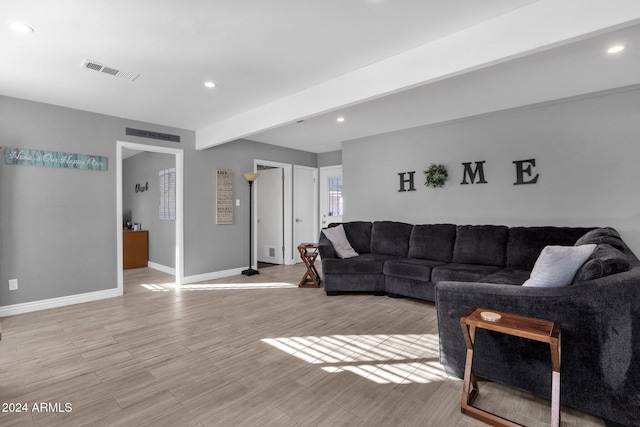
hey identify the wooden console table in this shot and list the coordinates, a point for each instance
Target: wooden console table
(519, 326)
(309, 253)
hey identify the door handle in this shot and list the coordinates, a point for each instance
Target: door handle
(298, 220)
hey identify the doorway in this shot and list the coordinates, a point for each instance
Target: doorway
(179, 222)
(270, 214)
(331, 202)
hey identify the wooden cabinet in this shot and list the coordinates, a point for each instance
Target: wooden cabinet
(135, 248)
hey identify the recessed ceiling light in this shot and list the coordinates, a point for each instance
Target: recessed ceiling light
(616, 48)
(209, 84)
(340, 119)
(20, 27)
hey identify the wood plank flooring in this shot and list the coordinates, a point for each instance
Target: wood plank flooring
(241, 351)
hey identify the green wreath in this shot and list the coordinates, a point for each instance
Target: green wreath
(436, 175)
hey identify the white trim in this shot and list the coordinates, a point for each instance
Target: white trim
(288, 210)
(27, 307)
(179, 255)
(213, 275)
(160, 267)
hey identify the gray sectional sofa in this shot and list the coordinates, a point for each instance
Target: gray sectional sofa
(460, 267)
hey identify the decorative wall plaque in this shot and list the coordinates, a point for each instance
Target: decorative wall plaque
(224, 197)
(54, 159)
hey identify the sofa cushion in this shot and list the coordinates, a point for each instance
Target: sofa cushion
(390, 238)
(558, 265)
(526, 243)
(338, 239)
(359, 235)
(410, 268)
(604, 261)
(602, 236)
(432, 241)
(507, 276)
(481, 245)
(364, 264)
(461, 272)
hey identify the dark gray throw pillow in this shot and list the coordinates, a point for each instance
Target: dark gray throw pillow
(604, 261)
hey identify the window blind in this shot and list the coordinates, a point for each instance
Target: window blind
(167, 188)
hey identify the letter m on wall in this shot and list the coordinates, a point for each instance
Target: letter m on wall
(471, 173)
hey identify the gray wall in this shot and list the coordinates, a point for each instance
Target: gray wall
(585, 151)
(210, 247)
(330, 158)
(142, 207)
(58, 226)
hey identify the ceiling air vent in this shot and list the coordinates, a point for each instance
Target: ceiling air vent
(95, 66)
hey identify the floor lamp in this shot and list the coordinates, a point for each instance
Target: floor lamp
(250, 177)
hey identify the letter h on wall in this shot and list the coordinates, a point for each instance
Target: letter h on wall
(404, 181)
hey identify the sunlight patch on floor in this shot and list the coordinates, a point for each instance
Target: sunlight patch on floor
(384, 359)
(238, 286)
(166, 287)
(159, 287)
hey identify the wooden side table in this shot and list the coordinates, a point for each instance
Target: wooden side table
(309, 253)
(519, 326)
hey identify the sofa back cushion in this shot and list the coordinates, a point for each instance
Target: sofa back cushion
(481, 244)
(602, 236)
(526, 243)
(390, 238)
(432, 241)
(359, 235)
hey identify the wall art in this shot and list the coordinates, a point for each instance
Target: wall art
(224, 197)
(54, 159)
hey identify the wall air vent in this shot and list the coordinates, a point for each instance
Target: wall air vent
(95, 66)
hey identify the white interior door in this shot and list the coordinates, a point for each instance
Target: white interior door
(331, 203)
(305, 205)
(270, 215)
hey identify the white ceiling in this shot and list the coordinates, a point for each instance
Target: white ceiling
(382, 64)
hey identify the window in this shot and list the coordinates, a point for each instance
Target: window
(167, 188)
(335, 196)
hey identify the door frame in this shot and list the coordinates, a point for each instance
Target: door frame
(288, 209)
(179, 249)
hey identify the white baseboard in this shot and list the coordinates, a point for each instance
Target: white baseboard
(160, 267)
(212, 276)
(27, 307)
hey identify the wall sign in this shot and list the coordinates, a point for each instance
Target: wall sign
(54, 159)
(473, 173)
(224, 197)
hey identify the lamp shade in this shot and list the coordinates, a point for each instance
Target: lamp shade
(250, 177)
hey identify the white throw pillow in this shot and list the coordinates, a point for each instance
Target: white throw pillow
(557, 265)
(338, 239)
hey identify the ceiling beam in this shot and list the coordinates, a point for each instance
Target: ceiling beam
(530, 29)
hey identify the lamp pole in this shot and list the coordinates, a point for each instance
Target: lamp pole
(250, 177)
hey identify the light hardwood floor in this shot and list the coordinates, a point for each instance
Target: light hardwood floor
(240, 351)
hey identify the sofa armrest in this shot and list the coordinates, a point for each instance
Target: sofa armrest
(325, 248)
(600, 327)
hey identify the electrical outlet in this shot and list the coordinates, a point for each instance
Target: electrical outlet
(13, 284)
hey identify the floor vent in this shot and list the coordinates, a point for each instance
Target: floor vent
(269, 251)
(95, 66)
